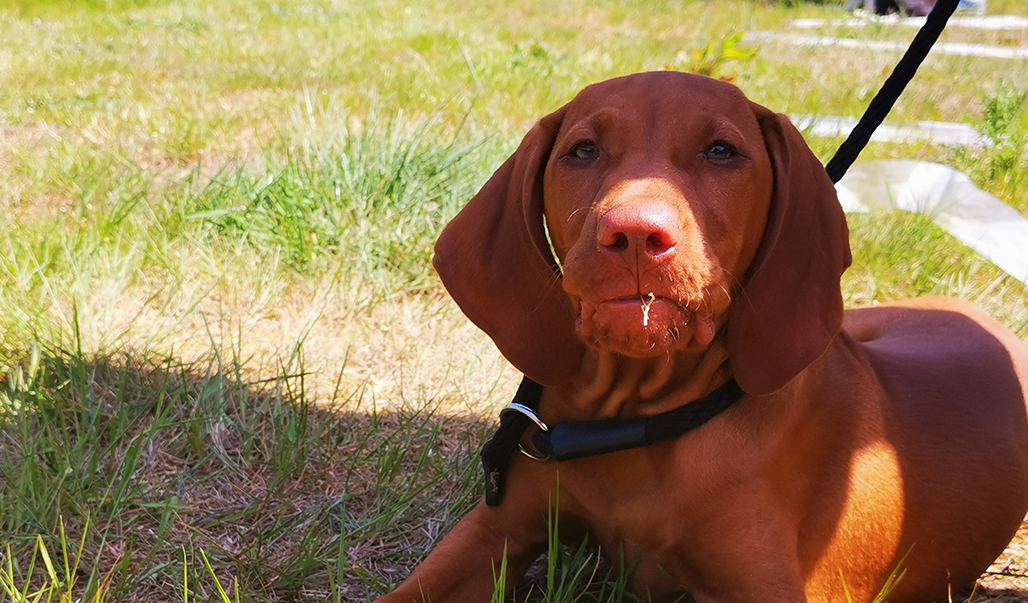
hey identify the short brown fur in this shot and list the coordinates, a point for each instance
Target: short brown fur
(863, 436)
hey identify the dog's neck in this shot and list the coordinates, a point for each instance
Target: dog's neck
(611, 385)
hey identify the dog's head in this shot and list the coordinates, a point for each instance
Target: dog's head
(676, 209)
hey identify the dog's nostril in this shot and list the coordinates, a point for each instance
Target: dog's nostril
(612, 238)
(659, 242)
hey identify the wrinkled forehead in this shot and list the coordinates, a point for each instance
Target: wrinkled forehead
(663, 98)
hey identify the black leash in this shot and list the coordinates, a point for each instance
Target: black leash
(883, 102)
(497, 452)
(588, 438)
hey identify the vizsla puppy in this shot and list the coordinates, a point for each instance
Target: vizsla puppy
(697, 241)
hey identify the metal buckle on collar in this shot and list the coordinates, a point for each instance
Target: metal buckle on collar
(528, 412)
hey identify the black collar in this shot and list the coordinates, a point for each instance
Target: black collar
(580, 439)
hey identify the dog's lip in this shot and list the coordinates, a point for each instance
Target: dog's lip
(637, 301)
(637, 297)
(629, 305)
(641, 326)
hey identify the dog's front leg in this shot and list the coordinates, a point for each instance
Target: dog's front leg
(465, 565)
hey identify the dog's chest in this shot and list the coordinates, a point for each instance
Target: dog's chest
(644, 533)
(652, 510)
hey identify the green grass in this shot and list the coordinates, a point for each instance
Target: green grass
(226, 368)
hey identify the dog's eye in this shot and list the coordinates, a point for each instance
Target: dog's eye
(720, 151)
(585, 151)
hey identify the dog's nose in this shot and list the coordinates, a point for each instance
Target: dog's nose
(636, 233)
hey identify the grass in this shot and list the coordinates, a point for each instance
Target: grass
(283, 496)
(226, 369)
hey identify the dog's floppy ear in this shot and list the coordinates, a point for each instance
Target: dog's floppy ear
(790, 306)
(495, 260)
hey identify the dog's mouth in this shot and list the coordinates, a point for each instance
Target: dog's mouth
(643, 326)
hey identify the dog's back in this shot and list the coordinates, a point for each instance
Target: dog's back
(955, 384)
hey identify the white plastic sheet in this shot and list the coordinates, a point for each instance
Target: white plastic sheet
(949, 198)
(938, 132)
(991, 23)
(973, 50)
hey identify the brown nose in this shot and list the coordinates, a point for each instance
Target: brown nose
(638, 233)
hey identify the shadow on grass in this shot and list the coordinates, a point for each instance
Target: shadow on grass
(134, 473)
(142, 463)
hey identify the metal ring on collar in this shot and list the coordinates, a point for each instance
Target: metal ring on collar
(528, 412)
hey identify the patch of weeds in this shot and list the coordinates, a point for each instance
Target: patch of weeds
(712, 58)
(1001, 168)
(1002, 109)
(372, 201)
(534, 61)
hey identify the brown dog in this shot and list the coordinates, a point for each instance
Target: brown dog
(697, 240)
